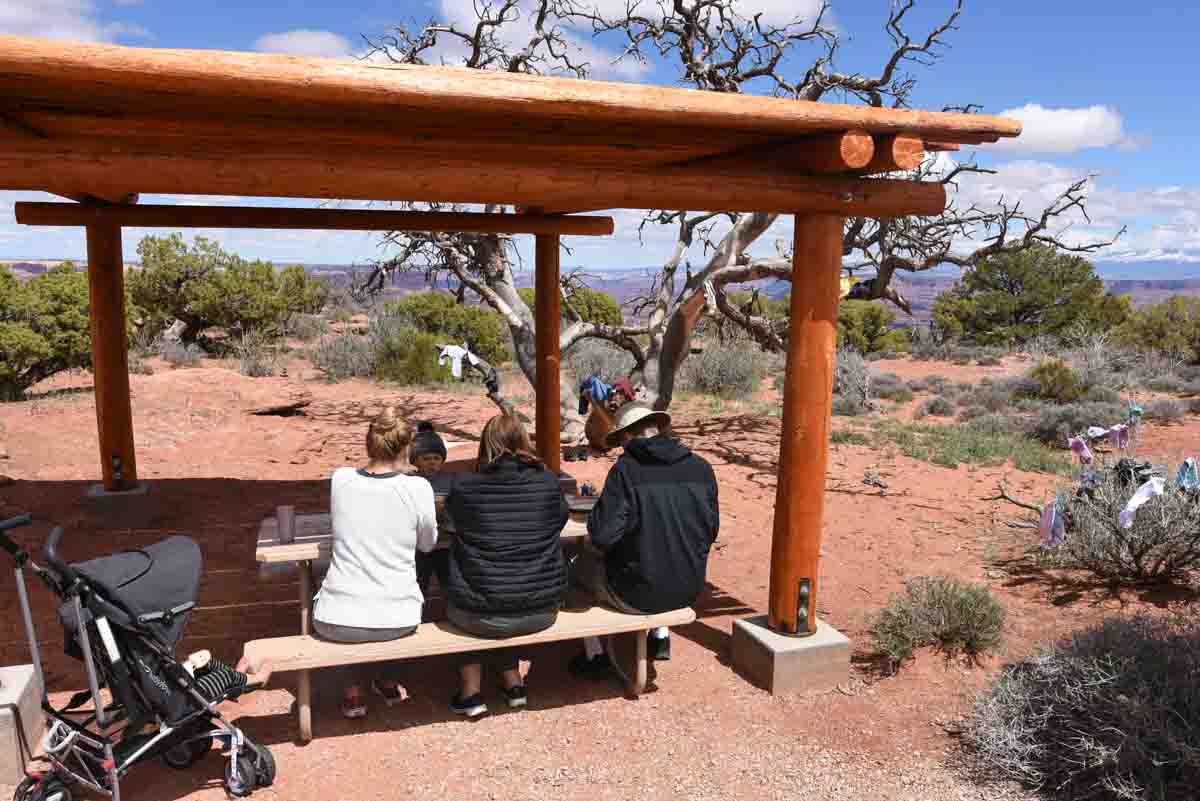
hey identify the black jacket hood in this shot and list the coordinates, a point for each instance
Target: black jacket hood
(659, 449)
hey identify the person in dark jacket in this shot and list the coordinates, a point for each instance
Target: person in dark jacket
(651, 530)
(507, 571)
(427, 454)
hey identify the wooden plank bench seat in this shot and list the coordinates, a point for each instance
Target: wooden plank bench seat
(305, 653)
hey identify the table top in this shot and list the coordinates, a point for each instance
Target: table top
(314, 535)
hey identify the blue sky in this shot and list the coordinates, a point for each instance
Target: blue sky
(1101, 86)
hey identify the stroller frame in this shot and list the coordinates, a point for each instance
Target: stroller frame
(88, 751)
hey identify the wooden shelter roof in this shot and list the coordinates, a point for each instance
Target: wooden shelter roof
(106, 121)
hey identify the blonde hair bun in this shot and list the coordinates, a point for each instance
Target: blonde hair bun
(389, 435)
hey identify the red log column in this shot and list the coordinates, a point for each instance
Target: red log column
(548, 423)
(804, 444)
(110, 369)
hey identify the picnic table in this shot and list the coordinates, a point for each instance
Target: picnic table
(313, 541)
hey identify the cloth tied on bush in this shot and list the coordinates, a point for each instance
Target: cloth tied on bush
(594, 390)
(1153, 487)
(1188, 479)
(1079, 447)
(1053, 526)
(454, 355)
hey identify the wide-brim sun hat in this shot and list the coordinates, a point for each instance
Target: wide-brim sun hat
(632, 414)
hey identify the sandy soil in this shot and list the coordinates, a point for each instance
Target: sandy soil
(702, 732)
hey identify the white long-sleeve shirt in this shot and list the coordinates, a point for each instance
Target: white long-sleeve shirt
(379, 522)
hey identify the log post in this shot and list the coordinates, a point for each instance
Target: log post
(547, 313)
(804, 443)
(110, 369)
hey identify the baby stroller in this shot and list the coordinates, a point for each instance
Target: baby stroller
(122, 616)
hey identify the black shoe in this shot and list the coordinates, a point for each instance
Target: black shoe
(516, 696)
(659, 648)
(598, 667)
(471, 707)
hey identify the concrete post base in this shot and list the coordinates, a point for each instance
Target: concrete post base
(21, 720)
(781, 664)
(134, 508)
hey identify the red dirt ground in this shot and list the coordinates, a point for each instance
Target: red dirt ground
(701, 733)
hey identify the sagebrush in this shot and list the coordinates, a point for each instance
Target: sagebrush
(1111, 714)
(953, 616)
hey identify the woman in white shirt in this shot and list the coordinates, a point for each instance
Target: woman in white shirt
(381, 517)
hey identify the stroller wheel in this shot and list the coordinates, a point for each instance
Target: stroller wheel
(49, 788)
(242, 784)
(184, 755)
(264, 766)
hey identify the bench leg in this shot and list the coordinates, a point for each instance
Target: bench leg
(637, 682)
(304, 704)
(306, 583)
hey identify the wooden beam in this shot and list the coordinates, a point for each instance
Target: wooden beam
(97, 76)
(898, 153)
(804, 442)
(941, 147)
(548, 416)
(91, 199)
(92, 167)
(110, 370)
(160, 216)
(827, 154)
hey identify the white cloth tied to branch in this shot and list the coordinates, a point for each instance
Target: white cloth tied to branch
(1150, 489)
(454, 356)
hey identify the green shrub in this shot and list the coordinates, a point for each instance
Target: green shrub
(936, 407)
(179, 354)
(724, 371)
(1110, 714)
(950, 615)
(598, 357)
(44, 328)
(450, 322)
(983, 441)
(847, 407)
(1101, 394)
(346, 355)
(865, 326)
(1165, 410)
(1053, 380)
(897, 393)
(849, 438)
(1162, 543)
(1053, 424)
(307, 327)
(1166, 383)
(991, 397)
(256, 357)
(206, 287)
(138, 364)
(852, 377)
(409, 358)
(593, 305)
(1170, 328)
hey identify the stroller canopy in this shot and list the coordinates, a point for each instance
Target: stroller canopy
(156, 579)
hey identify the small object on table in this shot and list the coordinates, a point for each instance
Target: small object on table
(587, 490)
(285, 517)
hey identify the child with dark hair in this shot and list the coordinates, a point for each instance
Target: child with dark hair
(427, 454)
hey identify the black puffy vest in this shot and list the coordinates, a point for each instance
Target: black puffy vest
(507, 556)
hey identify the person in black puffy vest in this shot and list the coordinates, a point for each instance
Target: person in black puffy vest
(508, 576)
(651, 530)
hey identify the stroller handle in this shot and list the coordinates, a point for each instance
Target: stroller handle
(7, 544)
(50, 551)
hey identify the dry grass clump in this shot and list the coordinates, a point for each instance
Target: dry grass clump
(950, 615)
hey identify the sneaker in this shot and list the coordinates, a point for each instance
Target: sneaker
(598, 667)
(390, 693)
(516, 696)
(354, 707)
(659, 648)
(471, 707)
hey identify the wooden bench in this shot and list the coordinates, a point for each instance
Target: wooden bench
(304, 653)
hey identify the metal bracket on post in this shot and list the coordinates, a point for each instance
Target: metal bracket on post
(803, 629)
(116, 468)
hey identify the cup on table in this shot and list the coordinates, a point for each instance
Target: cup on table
(285, 517)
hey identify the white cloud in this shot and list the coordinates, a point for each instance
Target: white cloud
(320, 44)
(1163, 222)
(1067, 130)
(62, 19)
